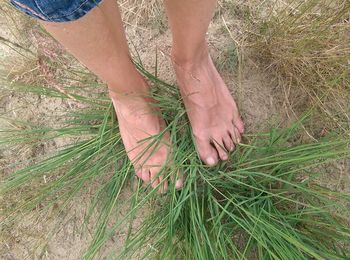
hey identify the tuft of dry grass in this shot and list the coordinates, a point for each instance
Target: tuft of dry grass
(141, 14)
(305, 45)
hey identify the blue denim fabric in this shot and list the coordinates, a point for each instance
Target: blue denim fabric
(55, 10)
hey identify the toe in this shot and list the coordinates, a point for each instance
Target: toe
(238, 135)
(139, 174)
(179, 184)
(207, 152)
(178, 180)
(163, 185)
(220, 148)
(154, 182)
(235, 135)
(158, 181)
(229, 145)
(144, 175)
(238, 123)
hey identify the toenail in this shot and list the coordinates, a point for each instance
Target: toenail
(225, 157)
(210, 161)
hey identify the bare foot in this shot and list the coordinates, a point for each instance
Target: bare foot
(138, 120)
(216, 123)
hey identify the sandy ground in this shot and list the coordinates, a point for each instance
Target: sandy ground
(261, 105)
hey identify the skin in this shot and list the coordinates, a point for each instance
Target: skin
(98, 41)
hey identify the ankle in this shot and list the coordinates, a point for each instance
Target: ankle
(131, 99)
(189, 58)
(131, 106)
(129, 87)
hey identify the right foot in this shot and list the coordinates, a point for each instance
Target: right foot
(138, 120)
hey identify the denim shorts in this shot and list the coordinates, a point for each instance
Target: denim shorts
(55, 10)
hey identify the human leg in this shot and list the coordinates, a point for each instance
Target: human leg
(98, 40)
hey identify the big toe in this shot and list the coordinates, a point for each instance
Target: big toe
(207, 152)
(144, 174)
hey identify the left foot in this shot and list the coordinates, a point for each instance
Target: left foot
(139, 120)
(216, 123)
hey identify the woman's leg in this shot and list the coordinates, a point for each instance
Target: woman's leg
(214, 117)
(98, 40)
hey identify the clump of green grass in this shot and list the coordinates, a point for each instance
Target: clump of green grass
(306, 46)
(263, 202)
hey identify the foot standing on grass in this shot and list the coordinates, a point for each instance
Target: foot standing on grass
(92, 31)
